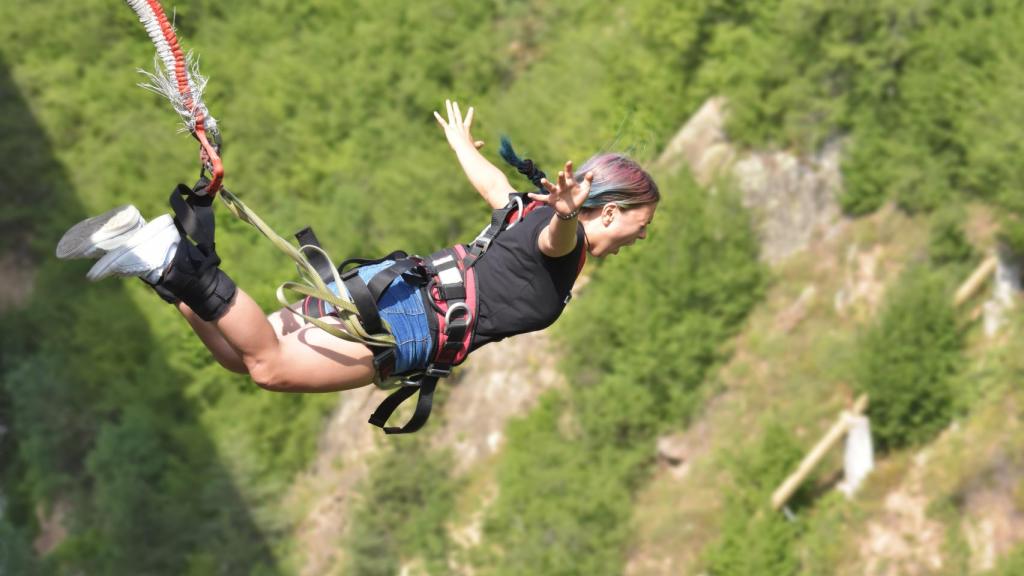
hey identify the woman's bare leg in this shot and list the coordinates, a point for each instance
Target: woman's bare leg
(222, 352)
(278, 352)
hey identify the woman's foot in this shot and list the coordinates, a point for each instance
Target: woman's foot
(94, 237)
(145, 254)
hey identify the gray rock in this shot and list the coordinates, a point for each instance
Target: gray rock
(793, 199)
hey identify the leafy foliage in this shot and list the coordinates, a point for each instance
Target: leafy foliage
(406, 500)
(918, 88)
(326, 107)
(908, 360)
(16, 555)
(948, 244)
(563, 507)
(1012, 563)
(754, 539)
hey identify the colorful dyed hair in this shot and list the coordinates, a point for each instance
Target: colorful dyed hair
(617, 180)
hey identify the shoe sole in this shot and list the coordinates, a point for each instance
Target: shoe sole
(104, 266)
(95, 236)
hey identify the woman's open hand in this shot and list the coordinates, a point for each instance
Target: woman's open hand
(456, 128)
(568, 195)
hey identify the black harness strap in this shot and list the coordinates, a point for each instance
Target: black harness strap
(499, 219)
(320, 263)
(425, 386)
(364, 301)
(448, 279)
(193, 215)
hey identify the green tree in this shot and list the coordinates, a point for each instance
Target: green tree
(908, 359)
(754, 539)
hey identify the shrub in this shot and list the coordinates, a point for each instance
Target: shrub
(948, 245)
(754, 539)
(16, 555)
(907, 360)
(407, 498)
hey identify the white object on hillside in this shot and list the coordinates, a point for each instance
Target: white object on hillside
(859, 456)
(1006, 287)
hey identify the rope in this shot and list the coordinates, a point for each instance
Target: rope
(187, 99)
(309, 283)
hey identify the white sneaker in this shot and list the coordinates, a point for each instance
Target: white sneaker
(94, 237)
(145, 254)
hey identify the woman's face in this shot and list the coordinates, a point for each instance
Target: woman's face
(621, 227)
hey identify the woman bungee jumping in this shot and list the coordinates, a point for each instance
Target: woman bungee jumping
(417, 316)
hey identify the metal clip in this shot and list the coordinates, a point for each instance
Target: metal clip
(519, 218)
(438, 372)
(452, 308)
(483, 242)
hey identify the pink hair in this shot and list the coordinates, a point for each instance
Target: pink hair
(617, 180)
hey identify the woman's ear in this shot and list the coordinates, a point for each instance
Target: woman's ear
(608, 213)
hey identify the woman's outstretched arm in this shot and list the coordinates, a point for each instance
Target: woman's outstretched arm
(488, 180)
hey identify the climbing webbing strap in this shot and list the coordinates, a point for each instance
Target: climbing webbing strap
(425, 386)
(499, 221)
(320, 262)
(310, 282)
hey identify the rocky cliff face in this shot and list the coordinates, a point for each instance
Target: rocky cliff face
(502, 381)
(793, 199)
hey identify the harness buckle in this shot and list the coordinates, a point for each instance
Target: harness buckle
(435, 372)
(384, 361)
(519, 215)
(453, 308)
(411, 382)
(483, 243)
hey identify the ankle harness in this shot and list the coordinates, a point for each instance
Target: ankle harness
(194, 275)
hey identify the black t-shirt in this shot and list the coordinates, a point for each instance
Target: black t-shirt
(519, 288)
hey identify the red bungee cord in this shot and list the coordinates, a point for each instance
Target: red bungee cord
(182, 84)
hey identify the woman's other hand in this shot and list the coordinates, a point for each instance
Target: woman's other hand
(456, 128)
(568, 195)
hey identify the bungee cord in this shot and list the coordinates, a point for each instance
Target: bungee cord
(180, 82)
(177, 78)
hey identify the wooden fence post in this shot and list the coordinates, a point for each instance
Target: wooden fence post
(783, 492)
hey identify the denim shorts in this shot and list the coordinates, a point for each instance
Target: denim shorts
(401, 308)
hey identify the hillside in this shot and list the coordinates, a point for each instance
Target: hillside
(830, 174)
(948, 507)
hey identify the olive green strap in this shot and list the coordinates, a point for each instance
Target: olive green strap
(310, 283)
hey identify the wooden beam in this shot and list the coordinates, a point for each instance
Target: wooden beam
(789, 486)
(976, 280)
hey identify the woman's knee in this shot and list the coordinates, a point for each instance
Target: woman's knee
(268, 373)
